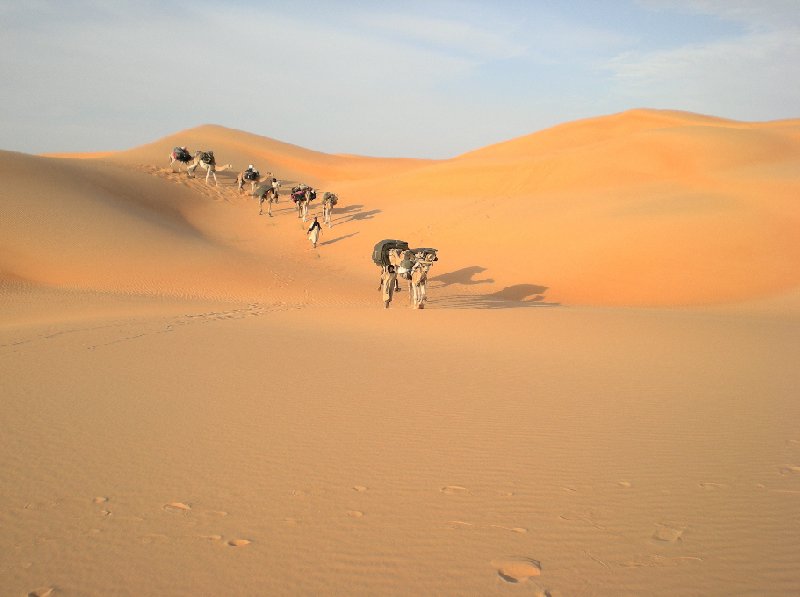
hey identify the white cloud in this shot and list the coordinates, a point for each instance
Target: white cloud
(749, 76)
(448, 35)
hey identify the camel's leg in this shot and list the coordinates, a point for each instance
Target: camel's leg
(269, 208)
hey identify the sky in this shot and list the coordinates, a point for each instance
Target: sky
(427, 79)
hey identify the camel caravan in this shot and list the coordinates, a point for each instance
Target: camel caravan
(265, 188)
(396, 259)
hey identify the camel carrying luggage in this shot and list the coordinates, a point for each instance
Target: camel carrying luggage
(207, 157)
(330, 197)
(380, 254)
(251, 175)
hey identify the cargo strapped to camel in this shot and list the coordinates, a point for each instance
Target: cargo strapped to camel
(425, 254)
(262, 190)
(380, 254)
(207, 157)
(330, 197)
(180, 154)
(251, 175)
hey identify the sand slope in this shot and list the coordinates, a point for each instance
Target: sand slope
(196, 402)
(645, 207)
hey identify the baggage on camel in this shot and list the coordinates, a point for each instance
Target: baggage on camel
(262, 190)
(380, 254)
(425, 254)
(182, 155)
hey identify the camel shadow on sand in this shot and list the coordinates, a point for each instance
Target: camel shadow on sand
(462, 276)
(519, 296)
(353, 213)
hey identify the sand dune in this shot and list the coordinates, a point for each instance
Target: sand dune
(600, 398)
(640, 208)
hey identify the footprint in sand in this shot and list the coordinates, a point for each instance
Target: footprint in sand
(154, 538)
(359, 488)
(239, 542)
(711, 486)
(211, 537)
(355, 513)
(43, 592)
(790, 470)
(668, 533)
(454, 490)
(459, 524)
(177, 507)
(101, 499)
(625, 484)
(517, 570)
(518, 530)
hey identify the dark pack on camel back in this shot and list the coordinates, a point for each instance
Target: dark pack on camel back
(182, 155)
(380, 254)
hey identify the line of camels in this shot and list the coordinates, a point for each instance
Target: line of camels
(266, 192)
(412, 265)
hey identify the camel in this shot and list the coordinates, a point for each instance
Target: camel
(267, 192)
(395, 257)
(180, 155)
(252, 176)
(328, 201)
(206, 160)
(418, 283)
(302, 196)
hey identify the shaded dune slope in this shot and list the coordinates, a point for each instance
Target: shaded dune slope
(644, 207)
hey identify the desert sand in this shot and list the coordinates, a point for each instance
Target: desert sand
(600, 397)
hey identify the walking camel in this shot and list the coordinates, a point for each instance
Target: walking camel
(414, 267)
(207, 161)
(267, 192)
(328, 201)
(419, 283)
(180, 155)
(253, 177)
(302, 196)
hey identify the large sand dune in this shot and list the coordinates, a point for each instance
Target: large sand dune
(644, 208)
(600, 399)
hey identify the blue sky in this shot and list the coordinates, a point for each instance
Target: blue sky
(403, 79)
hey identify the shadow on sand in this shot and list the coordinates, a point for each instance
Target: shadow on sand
(353, 213)
(462, 276)
(519, 296)
(337, 239)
